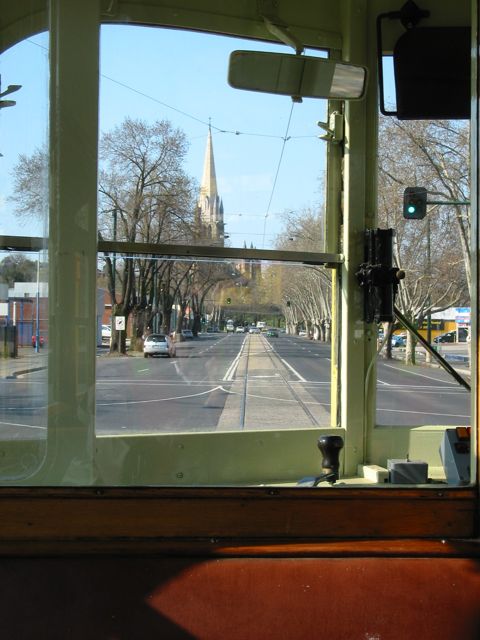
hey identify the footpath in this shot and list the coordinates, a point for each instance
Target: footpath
(27, 361)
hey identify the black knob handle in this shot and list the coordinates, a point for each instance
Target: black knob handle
(330, 447)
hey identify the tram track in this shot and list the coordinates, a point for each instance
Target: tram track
(287, 382)
(243, 371)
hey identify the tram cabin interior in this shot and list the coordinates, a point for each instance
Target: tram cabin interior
(238, 305)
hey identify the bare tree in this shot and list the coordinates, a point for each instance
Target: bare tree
(145, 196)
(434, 252)
(30, 185)
(307, 291)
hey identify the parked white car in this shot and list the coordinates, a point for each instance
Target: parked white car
(106, 332)
(158, 344)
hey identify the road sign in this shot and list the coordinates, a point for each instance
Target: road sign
(120, 323)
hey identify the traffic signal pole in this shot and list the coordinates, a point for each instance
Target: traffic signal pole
(415, 208)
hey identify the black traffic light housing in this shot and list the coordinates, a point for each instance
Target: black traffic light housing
(378, 277)
(415, 203)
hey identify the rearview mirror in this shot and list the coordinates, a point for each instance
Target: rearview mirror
(296, 76)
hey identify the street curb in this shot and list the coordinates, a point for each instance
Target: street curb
(22, 372)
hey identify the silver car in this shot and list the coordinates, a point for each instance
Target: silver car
(158, 344)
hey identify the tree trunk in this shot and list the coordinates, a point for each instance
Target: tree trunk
(328, 331)
(410, 349)
(197, 323)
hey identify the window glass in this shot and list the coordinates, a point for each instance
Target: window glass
(434, 253)
(215, 346)
(246, 342)
(418, 401)
(24, 336)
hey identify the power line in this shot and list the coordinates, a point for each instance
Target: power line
(285, 139)
(235, 132)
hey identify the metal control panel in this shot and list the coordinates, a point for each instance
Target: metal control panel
(455, 455)
(407, 471)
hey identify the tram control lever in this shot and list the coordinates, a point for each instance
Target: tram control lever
(330, 447)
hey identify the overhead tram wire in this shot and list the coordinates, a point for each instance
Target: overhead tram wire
(185, 113)
(235, 132)
(285, 139)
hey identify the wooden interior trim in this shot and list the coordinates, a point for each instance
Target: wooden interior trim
(125, 517)
(241, 548)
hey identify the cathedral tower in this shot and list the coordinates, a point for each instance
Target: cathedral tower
(210, 206)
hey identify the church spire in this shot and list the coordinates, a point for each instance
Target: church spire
(210, 206)
(209, 180)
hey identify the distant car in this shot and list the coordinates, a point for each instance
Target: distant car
(272, 333)
(158, 344)
(187, 334)
(254, 330)
(399, 340)
(451, 336)
(302, 334)
(239, 330)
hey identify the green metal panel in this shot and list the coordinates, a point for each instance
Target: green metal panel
(74, 52)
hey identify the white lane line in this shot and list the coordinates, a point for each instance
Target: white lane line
(414, 387)
(289, 366)
(382, 382)
(422, 375)
(425, 413)
(253, 395)
(180, 373)
(142, 370)
(434, 391)
(293, 370)
(191, 395)
(155, 383)
(275, 375)
(228, 377)
(28, 426)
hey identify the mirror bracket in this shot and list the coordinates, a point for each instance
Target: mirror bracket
(334, 128)
(277, 27)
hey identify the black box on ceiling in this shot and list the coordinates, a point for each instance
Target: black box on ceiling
(432, 73)
(407, 471)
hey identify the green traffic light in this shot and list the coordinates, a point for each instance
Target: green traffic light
(415, 203)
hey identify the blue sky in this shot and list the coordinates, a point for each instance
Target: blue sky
(181, 76)
(25, 126)
(188, 71)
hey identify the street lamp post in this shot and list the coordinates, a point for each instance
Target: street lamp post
(114, 260)
(37, 308)
(429, 270)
